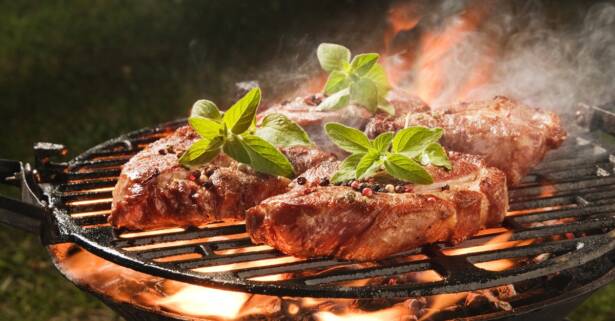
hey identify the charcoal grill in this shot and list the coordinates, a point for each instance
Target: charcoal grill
(70, 201)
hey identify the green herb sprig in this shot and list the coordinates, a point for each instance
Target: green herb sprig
(362, 81)
(401, 155)
(235, 133)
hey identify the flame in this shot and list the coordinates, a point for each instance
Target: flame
(498, 242)
(212, 302)
(426, 61)
(547, 191)
(395, 312)
(442, 301)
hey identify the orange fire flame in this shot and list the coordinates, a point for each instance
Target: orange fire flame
(426, 59)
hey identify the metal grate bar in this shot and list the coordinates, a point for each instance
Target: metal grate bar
(367, 273)
(188, 234)
(223, 260)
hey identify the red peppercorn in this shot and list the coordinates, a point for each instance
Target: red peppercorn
(367, 192)
(409, 189)
(355, 185)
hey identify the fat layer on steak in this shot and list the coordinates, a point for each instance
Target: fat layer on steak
(155, 191)
(337, 221)
(509, 135)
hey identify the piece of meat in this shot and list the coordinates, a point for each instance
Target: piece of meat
(337, 221)
(510, 136)
(155, 191)
(303, 111)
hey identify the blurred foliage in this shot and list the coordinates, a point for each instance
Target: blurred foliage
(80, 72)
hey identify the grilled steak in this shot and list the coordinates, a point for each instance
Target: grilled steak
(312, 221)
(155, 191)
(509, 135)
(303, 111)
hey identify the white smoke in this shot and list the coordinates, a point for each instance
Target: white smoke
(540, 56)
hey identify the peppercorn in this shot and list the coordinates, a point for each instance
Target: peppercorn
(301, 180)
(355, 185)
(390, 188)
(400, 189)
(324, 181)
(363, 186)
(377, 187)
(208, 184)
(170, 150)
(162, 152)
(196, 174)
(209, 172)
(446, 187)
(409, 189)
(367, 192)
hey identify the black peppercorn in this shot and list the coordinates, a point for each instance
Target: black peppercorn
(363, 185)
(208, 184)
(301, 180)
(446, 187)
(162, 152)
(400, 189)
(324, 181)
(376, 188)
(209, 172)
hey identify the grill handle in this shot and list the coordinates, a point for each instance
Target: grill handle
(16, 213)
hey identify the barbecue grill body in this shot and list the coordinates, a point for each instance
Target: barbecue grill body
(52, 187)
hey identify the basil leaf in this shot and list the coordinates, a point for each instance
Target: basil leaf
(366, 163)
(362, 63)
(265, 158)
(347, 138)
(379, 77)
(383, 141)
(337, 81)
(282, 132)
(202, 151)
(413, 140)
(205, 127)
(206, 109)
(336, 101)
(235, 149)
(404, 168)
(347, 169)
(385, 106)
(332, 56)
(436, 155)
(241, 115)
(365, 93)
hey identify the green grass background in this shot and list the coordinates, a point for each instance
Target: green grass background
(80, 72)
